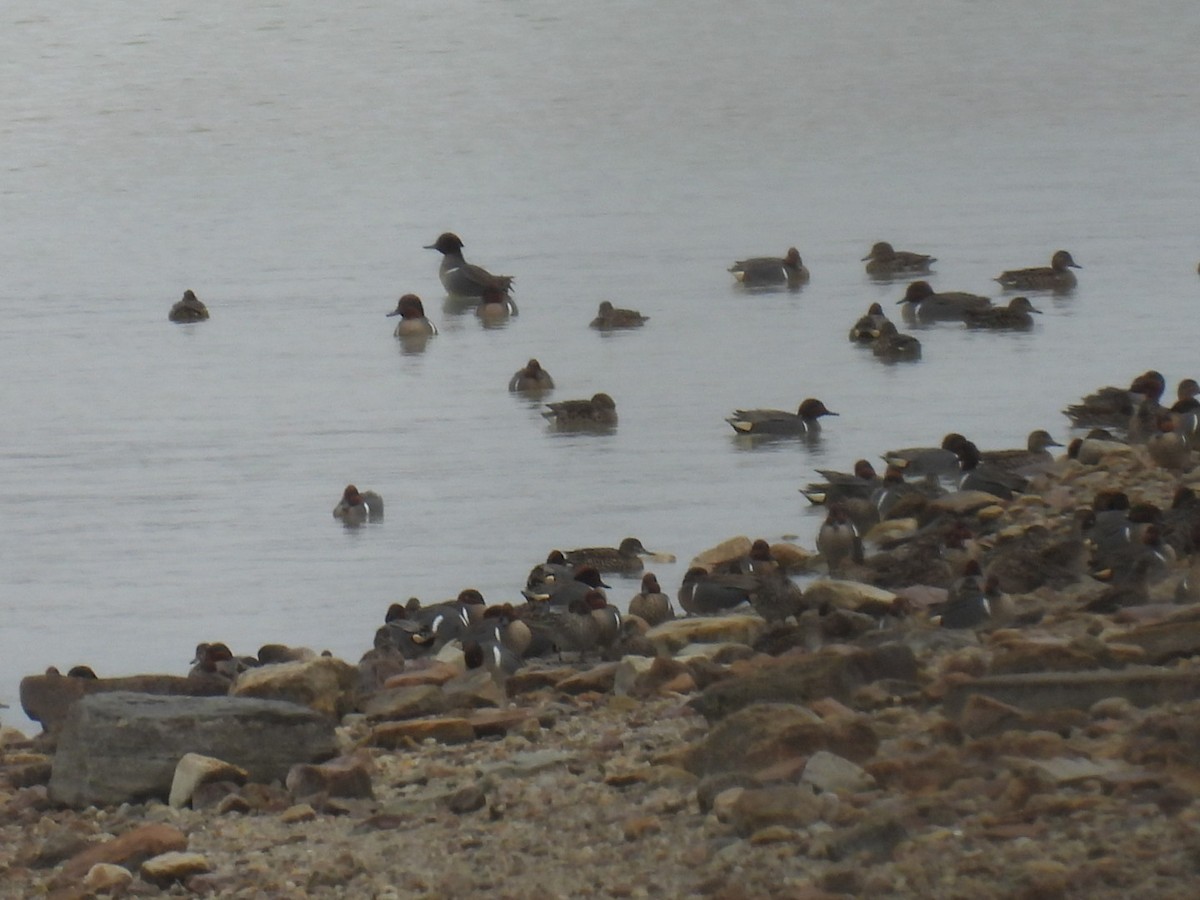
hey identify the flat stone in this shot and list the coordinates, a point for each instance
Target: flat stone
(130, 850)
(852, 595)
(722, 653)
(526, 763)
(195, 769)
(494, 722)
(827, 771)
(726, 551)
(107, 878)
(175, 866)
(396, 735)
(737, 628)
(536, 678)
(423, 672)
(1065, 770)
(118, 747)
(473, 689)
(1163, 641)
(599, 679)
(324, 683)
(466, 800)
(407, 702)
(1141, 685)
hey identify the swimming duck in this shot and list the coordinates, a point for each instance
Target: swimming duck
(866, 329)
(460, 278)
(705, 594)
(892, 346)
(650, 603)
(495, 307)
(189, 309)
(412, 318)
(767, 271)
(625, 559)
(1014, 317)
(778, 421)
(355, 508)
(1112, 407)
(1055, 277)
(922, 304)
(883, 261)
(611, 317)
(598, 413)
(532, 379)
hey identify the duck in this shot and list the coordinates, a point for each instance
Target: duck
(412, 318)
(893, 346)
(923, 305)
(554, 569)
(650, 604)
(778, 421)
(703, 594)
(357, 508)
(460, 278)
(838, 540)
(1016, 316)
(495, 307)
(1055, 277)
(969, 600)
(867, 328)
(897, 497)
(884, 261)
(1187, 397)
(430, 628)
(991, 479)
(769, 271)
(609, 318)
(216, 661)
(838, 486)
(531, 379)
(940, 461)
(1036, 453)
(1112, 407)
(564, 629)
(561, 592)
(598, 413)
(625, 559)
(188, 309)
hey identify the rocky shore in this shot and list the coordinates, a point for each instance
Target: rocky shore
(859, 748)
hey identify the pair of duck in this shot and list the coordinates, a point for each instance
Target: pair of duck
(875, 330)
(923, 305)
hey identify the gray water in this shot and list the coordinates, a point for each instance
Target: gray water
(162, 484)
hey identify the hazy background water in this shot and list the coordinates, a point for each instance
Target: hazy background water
(164, 484)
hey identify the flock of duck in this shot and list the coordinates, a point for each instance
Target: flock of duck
(566, 609)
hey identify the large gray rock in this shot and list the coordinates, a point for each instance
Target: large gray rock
(119, 747)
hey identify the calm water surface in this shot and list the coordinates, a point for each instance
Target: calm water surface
(162, 484)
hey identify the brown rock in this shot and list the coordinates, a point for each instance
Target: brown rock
(473, 689)
(536, 678)
(407, 702)
(787, 805)
(323, 683)
(1140, 685)
(301, 812)
(346, 776)
(195, 769)
(396, 735)
(423, 672)
(130, 849)
(642, 826)
(736, 628)
(466, 800)
(599, 679)
(1164, 641)
(107, 878)
(493, 722)
(174, 866)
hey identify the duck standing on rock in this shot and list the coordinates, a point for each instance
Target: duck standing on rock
(805, 421)
(705, 594)
(1055, 277)
(650, 604)
(771, 271)
(356, 508)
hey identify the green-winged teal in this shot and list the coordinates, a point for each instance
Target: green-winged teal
(188, 309)
(805, 421)
(884, 261)
(1055, 277)
(771, 271)
(459, 277)
(610, 318)
(412, 318)
(1016, 316)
